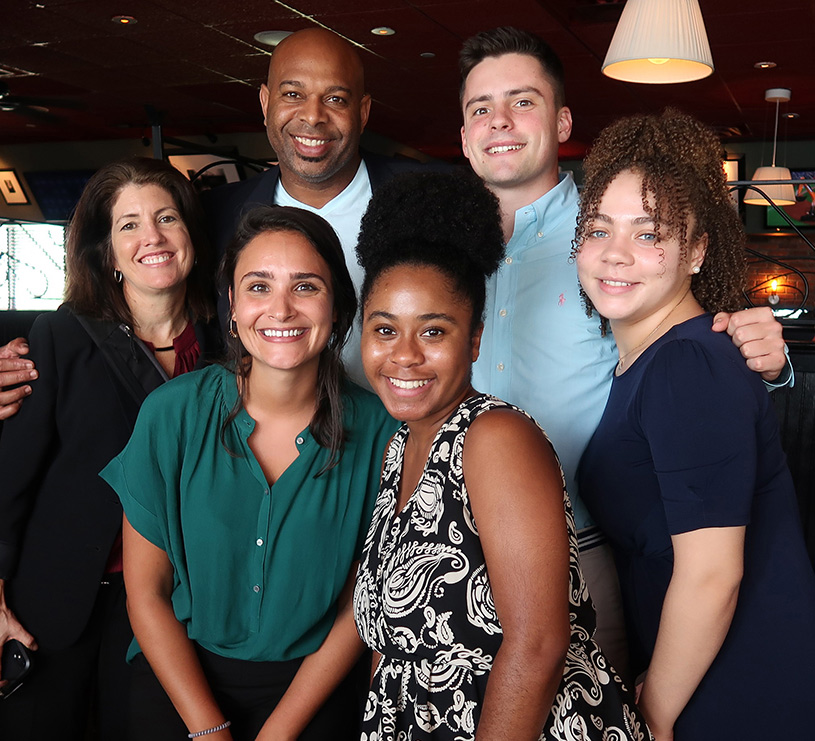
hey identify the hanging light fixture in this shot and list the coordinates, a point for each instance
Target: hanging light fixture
(780, 194)
(659, 41)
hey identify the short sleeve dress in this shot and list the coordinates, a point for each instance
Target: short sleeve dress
(423, 600)
(689, 440)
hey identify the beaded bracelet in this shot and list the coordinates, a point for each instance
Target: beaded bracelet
(221, 727)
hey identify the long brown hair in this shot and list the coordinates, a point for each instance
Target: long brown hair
(90, 286)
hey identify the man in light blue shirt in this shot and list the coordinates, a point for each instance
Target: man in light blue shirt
(539, 350)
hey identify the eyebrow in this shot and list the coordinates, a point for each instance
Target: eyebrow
(136, 215)
(507, 94)
(639, 220)
(269, 275)
(422, 317)
(332, 89)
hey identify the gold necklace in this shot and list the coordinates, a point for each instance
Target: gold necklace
(619, 369)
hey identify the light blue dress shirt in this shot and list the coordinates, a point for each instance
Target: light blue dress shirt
(539, 350)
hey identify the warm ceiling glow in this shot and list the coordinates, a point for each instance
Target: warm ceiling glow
(383, 31)
(764, 65)
(658, 42)
(124, 20)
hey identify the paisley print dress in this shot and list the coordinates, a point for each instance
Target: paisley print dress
(423, 600)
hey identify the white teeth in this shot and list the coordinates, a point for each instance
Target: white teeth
(155, 259)
(615, 283)
(311, 142)
(400, 384)
(282, 332)
(506, 148)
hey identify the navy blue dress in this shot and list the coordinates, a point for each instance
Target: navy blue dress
(689, 440)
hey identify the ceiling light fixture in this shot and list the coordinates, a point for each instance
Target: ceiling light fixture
(659, 41)
(764, 65)
(383, 31)
(271, 38)
(780, 193)
(124, 20)
(427, 55)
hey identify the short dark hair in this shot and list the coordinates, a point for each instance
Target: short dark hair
(327, 424)
(449, 221)
(510, 40)
(90, 286)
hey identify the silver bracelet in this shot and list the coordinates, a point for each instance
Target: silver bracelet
(221, 727)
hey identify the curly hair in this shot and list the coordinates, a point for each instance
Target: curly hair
(510, 40)
(684, 190)
(327, 423)
(90, 287)
(445, 220)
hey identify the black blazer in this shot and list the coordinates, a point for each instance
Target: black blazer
(58, 519)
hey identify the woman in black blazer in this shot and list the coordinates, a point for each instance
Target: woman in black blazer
(137, 308)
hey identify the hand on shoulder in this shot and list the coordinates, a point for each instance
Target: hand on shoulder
(14, 370)
(758, 335)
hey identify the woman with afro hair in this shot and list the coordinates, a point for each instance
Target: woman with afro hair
(469, 590)
(685, 473)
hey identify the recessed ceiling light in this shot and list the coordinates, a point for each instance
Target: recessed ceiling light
(764, 65)
(271, 38)
(383, 31)
(427, 54)
(124, 20)
(790, 115)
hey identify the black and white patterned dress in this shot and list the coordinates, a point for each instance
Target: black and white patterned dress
(423, 600)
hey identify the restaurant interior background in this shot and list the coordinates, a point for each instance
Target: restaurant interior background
(83, 82)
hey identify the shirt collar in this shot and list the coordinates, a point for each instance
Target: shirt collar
(550, 209)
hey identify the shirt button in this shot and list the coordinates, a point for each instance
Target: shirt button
(300, 441)
(259, 541)
(256, 589)
(508, 260)
(540, 234)
(503, 312)
(500, 366)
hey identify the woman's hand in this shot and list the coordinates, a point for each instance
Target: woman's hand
(516, 494)
(149, 582)
(319, 674)
(11, 628)
(696, 615)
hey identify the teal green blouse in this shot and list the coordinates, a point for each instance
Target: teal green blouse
(257, 568)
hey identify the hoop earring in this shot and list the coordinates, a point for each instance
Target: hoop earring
(233, 328)
(117, 275)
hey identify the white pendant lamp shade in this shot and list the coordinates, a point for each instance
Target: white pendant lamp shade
(659, 41)
(781, 195)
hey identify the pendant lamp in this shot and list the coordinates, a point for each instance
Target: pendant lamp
(659, 41)
(780, 194)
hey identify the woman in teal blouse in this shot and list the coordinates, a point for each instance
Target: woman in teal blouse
(247, 495)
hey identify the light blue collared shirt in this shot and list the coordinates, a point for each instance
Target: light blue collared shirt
(539, 350)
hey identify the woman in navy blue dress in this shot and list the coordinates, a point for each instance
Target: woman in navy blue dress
(685, 473)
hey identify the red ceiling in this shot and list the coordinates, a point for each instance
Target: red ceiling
(197, 61)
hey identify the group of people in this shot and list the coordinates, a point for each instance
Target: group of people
(278, 518)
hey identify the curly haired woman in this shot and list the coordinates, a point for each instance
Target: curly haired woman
(685, 473)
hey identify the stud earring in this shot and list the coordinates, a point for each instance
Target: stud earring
(696, 270)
